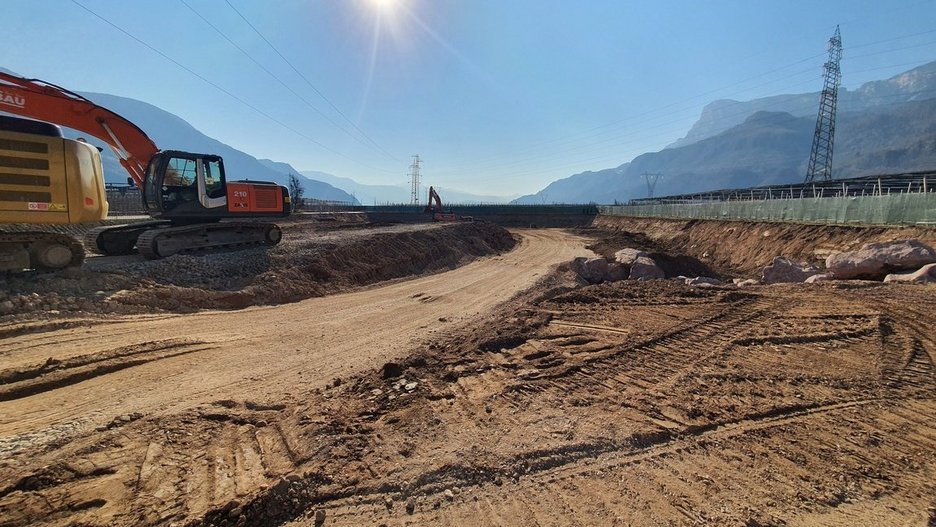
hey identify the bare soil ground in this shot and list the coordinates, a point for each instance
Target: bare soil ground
(452, 400)
(320, 254)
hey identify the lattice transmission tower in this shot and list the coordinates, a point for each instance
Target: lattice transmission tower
(820, 159)
(652, 179)
(414, 180)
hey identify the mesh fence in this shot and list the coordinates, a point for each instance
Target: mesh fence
(916, 208)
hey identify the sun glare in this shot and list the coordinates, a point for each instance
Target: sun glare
(384, 4)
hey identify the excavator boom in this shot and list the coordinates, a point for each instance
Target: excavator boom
(47, 102)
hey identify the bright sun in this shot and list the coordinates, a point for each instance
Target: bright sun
(384, 4)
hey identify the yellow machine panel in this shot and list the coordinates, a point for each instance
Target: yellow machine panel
(49, 180)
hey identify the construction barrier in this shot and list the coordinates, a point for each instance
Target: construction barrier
(911, 208)
(505, 215)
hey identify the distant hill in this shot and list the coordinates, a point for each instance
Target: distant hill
(171, 132)
(585, 187)
(885, 126)
(383, 194)
(767, 148)
(913, 85)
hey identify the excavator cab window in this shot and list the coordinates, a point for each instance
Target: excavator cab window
(179, 183)
(214, 183)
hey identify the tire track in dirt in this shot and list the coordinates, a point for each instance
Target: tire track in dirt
(204, 456)
(831, 416)
(532, 470)
(55, 374)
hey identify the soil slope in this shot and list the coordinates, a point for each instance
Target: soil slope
(447, 400)
(734, 248)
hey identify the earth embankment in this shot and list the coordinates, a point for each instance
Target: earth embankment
(735, 248)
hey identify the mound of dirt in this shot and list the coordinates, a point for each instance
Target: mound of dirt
(734, 248)
(311, 261)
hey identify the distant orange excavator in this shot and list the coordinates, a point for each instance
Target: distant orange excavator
(434, 207)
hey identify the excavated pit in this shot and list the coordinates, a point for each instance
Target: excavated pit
(625, 403)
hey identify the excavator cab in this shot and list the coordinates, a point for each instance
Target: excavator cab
(182, 185)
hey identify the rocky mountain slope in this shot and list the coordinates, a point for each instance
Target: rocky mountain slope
(884, 127)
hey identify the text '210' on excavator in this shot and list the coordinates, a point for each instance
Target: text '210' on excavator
(46, 179)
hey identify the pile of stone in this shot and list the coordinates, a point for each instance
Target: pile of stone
(628, 264)
(896, 261)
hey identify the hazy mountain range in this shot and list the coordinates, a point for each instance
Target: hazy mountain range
(171, 132)
(382, 194)
(883, 127)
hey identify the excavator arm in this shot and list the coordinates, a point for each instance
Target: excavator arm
(36, 99)
(434, 197)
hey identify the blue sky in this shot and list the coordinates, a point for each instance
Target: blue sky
(497, 96)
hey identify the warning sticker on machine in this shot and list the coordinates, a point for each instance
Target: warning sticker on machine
(34, 205)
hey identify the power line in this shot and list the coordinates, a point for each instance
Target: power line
(221, 89)
(572, 140)
(271, 74)
(307, 81)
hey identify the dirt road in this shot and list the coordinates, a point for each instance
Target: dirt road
(629, 403)
(151, 364)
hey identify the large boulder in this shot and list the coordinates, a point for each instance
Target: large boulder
(628, 256)
(616, 271)
(644, 268)
(875, 260)
(593, 270)
(784, 270)
(924, 275)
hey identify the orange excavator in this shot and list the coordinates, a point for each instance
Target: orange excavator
(434, 207)
(187, 194)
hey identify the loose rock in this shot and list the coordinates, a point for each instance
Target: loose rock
(703, 280)
(924, 275)
(628, 256)
(784, 270)
(644, 268)
(875, 260)
(593, 270)
(616, 272)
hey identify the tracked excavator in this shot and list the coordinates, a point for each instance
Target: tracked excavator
(434, 207)
(45, 179)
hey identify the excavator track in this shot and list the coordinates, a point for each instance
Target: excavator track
(43, 251)
(166, 241)
(118, 240)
